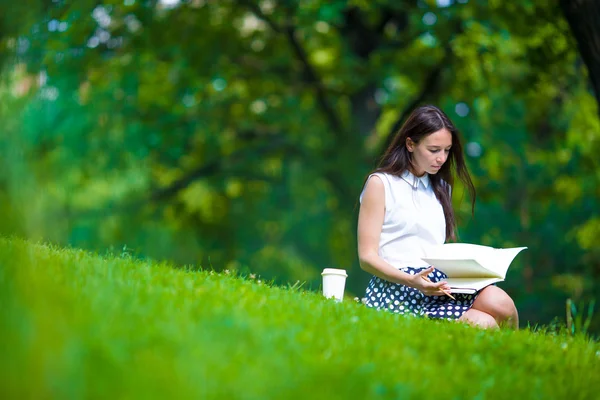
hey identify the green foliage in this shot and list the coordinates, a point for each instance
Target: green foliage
(77, 325)
(579, 320)
(238, 133)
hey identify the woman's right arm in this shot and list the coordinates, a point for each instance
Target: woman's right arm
(370, 222)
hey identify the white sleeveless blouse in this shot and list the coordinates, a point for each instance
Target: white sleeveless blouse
(414, 219)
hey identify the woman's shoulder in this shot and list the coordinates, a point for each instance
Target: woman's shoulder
(389, 181)
(384, 176)
(381, 185)
(375, 187)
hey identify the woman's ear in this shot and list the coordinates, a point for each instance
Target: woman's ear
(410, 145)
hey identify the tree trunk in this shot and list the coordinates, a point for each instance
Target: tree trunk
(583, 17)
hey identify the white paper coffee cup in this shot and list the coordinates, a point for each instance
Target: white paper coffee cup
(334, 281)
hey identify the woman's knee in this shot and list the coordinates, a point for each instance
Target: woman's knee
(496, 302)
(505, 308)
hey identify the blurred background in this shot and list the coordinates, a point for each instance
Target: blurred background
(236, 135)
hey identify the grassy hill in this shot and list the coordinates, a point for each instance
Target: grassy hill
(77, 325)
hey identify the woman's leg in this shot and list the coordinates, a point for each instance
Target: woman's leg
(494, 301)
(479, 318)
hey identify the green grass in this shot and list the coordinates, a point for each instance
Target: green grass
(76, 325)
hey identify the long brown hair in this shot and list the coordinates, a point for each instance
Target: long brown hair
(421, 123)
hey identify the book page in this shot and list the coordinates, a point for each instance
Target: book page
(465, 268)
(501, 260)
(465, 260)
(459, 251)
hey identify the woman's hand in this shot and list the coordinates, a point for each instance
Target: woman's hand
(419, 282)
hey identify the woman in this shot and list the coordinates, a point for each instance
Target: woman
(406, 207)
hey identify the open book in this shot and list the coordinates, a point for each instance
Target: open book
(471, 267)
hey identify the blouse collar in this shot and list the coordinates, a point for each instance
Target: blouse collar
(412, 179)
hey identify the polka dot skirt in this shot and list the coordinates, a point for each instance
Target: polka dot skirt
(401, 299)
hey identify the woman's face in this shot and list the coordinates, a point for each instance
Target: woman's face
(431, 152)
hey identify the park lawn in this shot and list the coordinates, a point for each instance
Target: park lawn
(78, 325)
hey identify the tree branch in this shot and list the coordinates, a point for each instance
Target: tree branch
(310, 74)
(217, 165)
(258, 12)
(208, 169)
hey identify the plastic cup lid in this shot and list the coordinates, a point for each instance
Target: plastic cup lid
(334, 271)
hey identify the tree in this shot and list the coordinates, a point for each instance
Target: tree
(583, 17)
